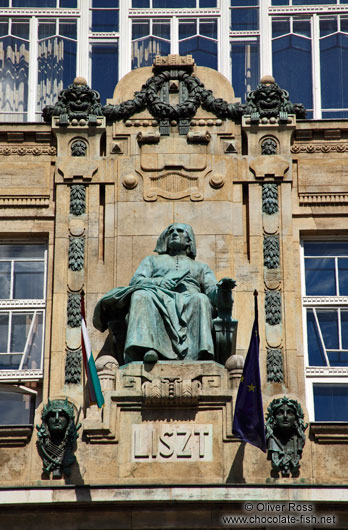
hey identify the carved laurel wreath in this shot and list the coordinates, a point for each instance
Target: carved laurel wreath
(148, 98)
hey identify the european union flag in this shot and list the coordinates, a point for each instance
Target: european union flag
(248, 422)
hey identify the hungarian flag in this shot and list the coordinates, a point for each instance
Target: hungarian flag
(248, 421)
(95, 393)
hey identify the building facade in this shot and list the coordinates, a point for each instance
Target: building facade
(85, 194)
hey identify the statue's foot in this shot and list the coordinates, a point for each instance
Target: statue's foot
(151, 356)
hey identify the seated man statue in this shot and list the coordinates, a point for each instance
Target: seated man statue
(169, 301)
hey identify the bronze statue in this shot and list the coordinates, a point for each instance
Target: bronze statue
(285, 435)
(170, 302)
(56, 438)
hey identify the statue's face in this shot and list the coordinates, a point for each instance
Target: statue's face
(178, 238)
(57, 422)
(285, 417)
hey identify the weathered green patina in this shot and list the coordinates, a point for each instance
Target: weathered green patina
(285, 435)
(170, 302)
(57, 435)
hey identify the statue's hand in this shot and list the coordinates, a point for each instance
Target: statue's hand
(166, 283)
(226, 284)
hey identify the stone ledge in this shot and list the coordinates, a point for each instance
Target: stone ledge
(180, 494)
(15, 435)
(330, 432)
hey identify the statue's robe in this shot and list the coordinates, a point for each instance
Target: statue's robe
(176, 323)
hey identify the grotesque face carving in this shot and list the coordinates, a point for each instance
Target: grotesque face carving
(268, 100)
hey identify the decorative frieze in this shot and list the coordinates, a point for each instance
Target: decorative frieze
(171, 391)
(341, 147)
(22, 150)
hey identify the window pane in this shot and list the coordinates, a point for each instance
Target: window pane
(16, 408)
(343, 276)
(14, 77)
(320, 276)
(280, 26)
(22, 251)
(280, 2)
(104, 70)
(19, 331)
(333, 67)
(68, 3)
(187, 28)
(294, 52)
(140, 29)
(105, 3)
(173, 3)
(338, 358)
(161, 29)
(315, 351)
(141, 3)
(344, 24)
(5, 280)
(34, 3)
(243, 3)
(330, 402)
(20, 29)
(28, 280)
(244, 19)
(105, 20)
(10, 361)
(208, 28)
(325, 248)
(4, 3)
(312, 2)
(33, 356)
(47, 29)
(144, 51)
(3, 332)
(207, 3)
(203, 50)
(344, 329)
(68, 29)
(3, 27)
(245, 67)
(328, 25)
(302, 27)
(328, 323)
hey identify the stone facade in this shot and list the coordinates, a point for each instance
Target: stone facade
(99, 192)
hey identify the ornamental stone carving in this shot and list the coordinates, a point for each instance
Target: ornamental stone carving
(171, 390)
(78, 148)
(74, 310)
(273, 307)
(285, 436)
(269, 101)
(76, 253)
(275, 365)
(271, 258)
(270, 198)
(57, 437)
(77, 199)
(77, 102)
(73, 367)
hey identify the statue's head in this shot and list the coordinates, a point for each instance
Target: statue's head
(58, 415)
(285, 415)
(268, 98)
(174, 235)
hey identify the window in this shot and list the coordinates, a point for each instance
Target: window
(22, 309)
(17, 405)
(325, 306)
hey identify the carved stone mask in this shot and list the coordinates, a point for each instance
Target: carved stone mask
(285, 417)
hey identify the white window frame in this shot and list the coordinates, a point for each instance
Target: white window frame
(15, 305)
(319, 374)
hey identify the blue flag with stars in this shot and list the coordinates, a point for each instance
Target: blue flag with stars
(248, 421)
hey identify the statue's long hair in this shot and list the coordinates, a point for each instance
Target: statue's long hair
(299, 424)
(162, 241)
